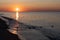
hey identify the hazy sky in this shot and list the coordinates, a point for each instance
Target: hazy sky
(31, 4)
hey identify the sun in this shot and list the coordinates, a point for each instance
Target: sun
(17, 9)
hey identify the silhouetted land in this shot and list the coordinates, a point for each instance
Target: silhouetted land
(4, 33)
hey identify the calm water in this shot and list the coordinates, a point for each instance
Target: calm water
(45, 19)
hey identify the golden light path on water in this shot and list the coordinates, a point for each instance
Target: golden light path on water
(15, 25)
(17, 16)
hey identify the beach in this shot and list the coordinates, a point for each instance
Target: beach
(45, 24)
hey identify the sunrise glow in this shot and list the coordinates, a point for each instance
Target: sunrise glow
(17, 9)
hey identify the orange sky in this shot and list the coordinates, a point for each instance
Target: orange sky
(29, 5)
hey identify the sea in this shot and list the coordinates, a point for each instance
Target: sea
(50, 21)
(45, 19)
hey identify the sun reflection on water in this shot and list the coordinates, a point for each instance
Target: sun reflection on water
(17, 15)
